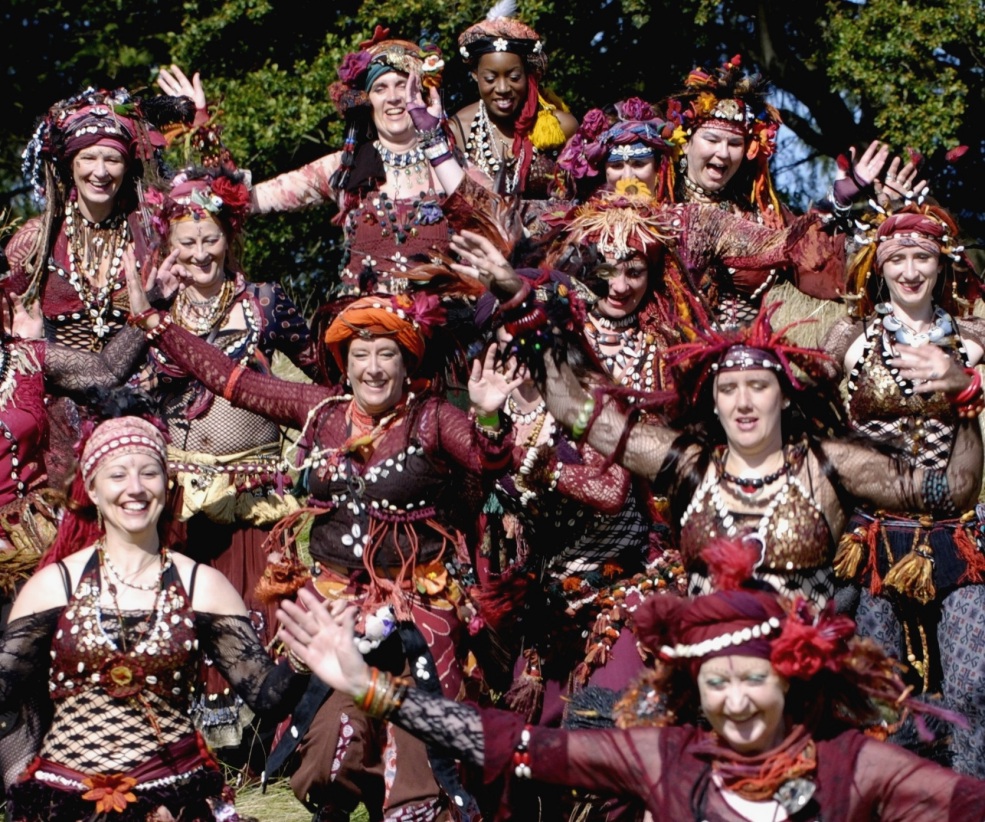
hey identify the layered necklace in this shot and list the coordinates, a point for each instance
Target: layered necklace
(695, 193)
(631, 362)
(91, 246)
(523, 418)
(201, 316)
(403, 165)
(146, 631)
(483, 148)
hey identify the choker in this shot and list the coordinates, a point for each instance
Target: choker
(524, 418)
(700, 191)
(749, 485)
(400, 160)
(610, 324)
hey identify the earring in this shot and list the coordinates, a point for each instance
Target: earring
(99, 519)
(786, 404)
(715, 410)
(682, 165)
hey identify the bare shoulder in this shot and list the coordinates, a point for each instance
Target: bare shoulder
(45, 589)
(569, 123)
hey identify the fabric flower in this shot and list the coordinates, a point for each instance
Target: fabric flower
(110, 792)
(234, 195)
(594, 123)
(121, 677)
(636, 109)
(805, 647)
(431, 579)
(572, 158)
(354, 64)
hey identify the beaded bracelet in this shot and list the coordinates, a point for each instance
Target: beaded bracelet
(580, 425)
(521, 755)
(936, 492)
(296, 663)
(155, 332)
(138, 319)
(384, 695)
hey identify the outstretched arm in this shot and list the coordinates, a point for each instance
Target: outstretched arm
(646, 446)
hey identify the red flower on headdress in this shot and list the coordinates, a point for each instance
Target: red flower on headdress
(636, 109)
(354, 64)
(805, 647)
(110, 792)
(425, 310)
(235, 196)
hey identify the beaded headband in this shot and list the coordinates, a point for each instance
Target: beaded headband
(735, 639)
(633, 151)
(122, 435)
(745, 358)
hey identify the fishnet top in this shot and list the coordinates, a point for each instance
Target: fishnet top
(198, 420)
(94, 730)
(857, 777)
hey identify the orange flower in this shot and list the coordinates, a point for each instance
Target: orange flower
(121, 677)
(110, 792)
(431, 579)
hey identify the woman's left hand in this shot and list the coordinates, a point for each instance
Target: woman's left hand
(930, 369)
(175, 83)
(27, 322)
(426, 116)
(901, 181)
(488, 386)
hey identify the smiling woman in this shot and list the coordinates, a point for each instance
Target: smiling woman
(102, 650)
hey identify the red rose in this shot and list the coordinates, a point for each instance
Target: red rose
(234, 196)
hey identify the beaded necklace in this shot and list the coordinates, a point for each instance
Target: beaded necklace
(480, 148)
(149, 633)
(425, 210)
(695, 193)
(634, 356)
(89, 246)
(15, 461)
(412, 162)
(519, 417)
(201, 316)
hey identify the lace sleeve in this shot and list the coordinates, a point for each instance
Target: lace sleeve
(887, 481)
(646, 445)
(973, 329)
(593, 483)
(283, 401)
(72, 369)
(269, 688)
(25, 710)
(453, 727)
(24, 652)
(839, 339)
(447, 432)
(304, 187)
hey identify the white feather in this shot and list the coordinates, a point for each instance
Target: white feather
(504, 8)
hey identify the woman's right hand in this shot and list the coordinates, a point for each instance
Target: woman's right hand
(322, 636)
(173, 82)
(137, 290)
(485, 263)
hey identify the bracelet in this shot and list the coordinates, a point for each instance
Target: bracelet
(487, 420)
(517, 299)
(444, 158)
(230, 386)
(585, 413)
(973, 388)
(155, 332)
(430, 137)
(384, 695)
(138, 319)
(296, 663)
(436, 150)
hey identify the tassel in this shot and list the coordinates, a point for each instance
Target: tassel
(969, 551)
(914, 574)
(872, 567)
(547, 133)
(526, 695)
(281, 579)
(849, 554)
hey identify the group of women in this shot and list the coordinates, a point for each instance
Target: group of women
(641, 497)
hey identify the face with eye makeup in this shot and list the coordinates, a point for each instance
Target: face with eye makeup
(627, 280)
(743, 699)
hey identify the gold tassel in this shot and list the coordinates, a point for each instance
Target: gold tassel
(850, 554)
(547, 133)
(913, 575)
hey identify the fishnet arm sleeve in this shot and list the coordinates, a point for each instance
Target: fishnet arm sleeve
(283, 401)
(890, 482)
(24, 654)
(230, 641)
(646, 444)
(447, 432)
(71, 369)
(304, 187)
(593, 483)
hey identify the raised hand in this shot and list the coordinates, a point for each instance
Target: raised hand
(861, 172)
(173, 82)
(482, 261)
(488, 385)
(900, 182)
(321, 636)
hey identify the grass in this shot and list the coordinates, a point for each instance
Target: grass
(278, 804)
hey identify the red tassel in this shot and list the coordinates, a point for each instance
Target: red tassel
(969, 551)
(872, 538)
(500, 601)
(526, 695)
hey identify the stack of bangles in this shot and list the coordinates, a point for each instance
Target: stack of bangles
(384, 695)
(434, 144)
(970, 402)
